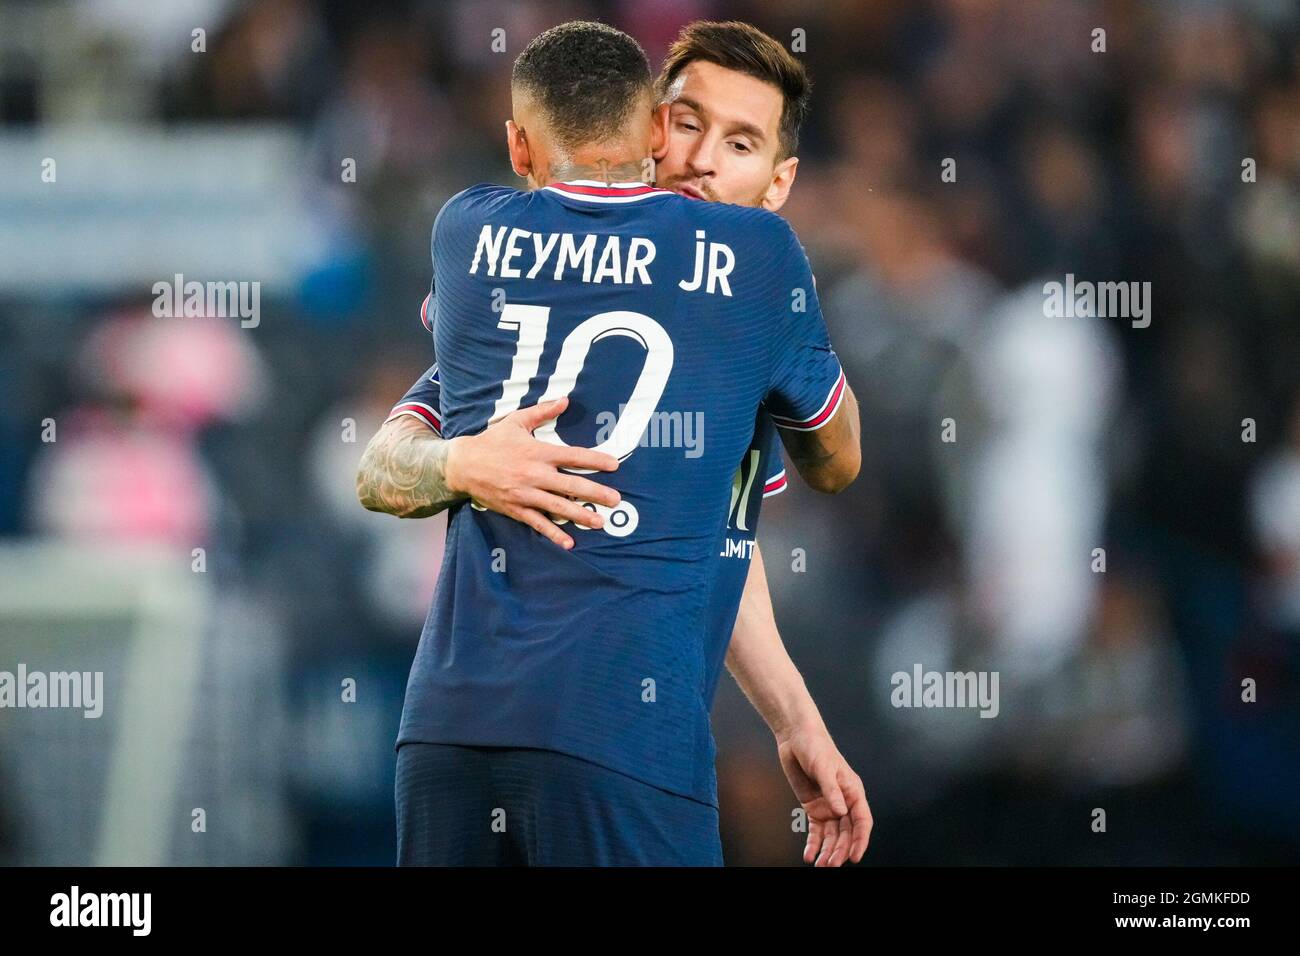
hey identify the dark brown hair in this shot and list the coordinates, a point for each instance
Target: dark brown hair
(746, 49)
(586, 76)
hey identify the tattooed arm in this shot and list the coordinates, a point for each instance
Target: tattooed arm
(828, 457)
(403, 471)
(407, 470)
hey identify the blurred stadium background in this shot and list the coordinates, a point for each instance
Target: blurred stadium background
(1119, 690)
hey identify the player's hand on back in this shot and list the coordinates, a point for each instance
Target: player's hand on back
(506, 470)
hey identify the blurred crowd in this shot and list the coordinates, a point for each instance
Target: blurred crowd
(1107, 514)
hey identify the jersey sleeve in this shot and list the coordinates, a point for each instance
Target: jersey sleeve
(807, 381)
(446, 219)
(422, 401)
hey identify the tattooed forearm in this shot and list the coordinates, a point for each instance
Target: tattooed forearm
(813, 451)
(403, 471)
(829, 458)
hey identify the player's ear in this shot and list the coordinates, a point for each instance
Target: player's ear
(520, 159)
(659, 132)
(782, 179)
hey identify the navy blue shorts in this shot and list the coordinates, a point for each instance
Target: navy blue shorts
(509, 806)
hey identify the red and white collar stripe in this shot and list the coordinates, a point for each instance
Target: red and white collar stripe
(590, 190)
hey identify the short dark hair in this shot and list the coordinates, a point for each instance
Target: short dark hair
(586, 76)
(746, 49)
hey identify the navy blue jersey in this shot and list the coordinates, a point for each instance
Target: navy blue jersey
(760, 475)
(667, 322)
(423, 401)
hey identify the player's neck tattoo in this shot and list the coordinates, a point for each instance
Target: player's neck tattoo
(601, 171)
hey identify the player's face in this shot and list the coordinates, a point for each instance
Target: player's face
(722, 138)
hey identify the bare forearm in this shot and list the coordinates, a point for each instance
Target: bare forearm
(758, 661)
(828, 458)
(403, 471)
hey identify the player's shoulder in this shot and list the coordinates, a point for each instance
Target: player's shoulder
(754, 217)
(475, 201)
(759, 227)
(483, 194)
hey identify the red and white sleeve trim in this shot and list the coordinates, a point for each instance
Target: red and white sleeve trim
(775, 485)
(424, 311)
(822, 415)
(425, 413)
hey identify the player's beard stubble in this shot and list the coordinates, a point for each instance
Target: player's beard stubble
(704, 188)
